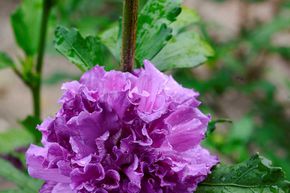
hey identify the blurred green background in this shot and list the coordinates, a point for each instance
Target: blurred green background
(246, 82)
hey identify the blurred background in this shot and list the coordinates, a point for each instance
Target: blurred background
(246, 82)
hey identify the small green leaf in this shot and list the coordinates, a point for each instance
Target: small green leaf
(21, 180)
(14, 138)
(5, 61)
(256, 175)
(84, 52)
(30, 124)
(26, 25)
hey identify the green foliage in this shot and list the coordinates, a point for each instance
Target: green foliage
(283, 51)
(14, 138)
(185, 50)
(25, 183)
(153, 27)
(260, 38)
(163, 37)
(186, 21)
(112, 39)
(172, 40)
(88, 16)
(30, 123)
(84, 52)
(255, 175)
(5, 61)
(238, 72)
(159, 38)
(26, 24)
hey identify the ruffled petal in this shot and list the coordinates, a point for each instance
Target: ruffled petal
(52, 187)
(123, 132)
(91, 171)
(187, 128)
(37, 163)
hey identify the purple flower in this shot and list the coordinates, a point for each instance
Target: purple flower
(123, 132)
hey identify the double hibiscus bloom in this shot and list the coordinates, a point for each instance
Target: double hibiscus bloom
(123, 132)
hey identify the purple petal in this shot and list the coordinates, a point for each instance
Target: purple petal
(123, 132)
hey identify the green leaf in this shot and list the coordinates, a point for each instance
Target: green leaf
(153, 29)
(256, 175)
(5, 61)
(112, 39)
(21, 180)
(187, 19)
(14, 138)
(186, 49)
(163, 37)
(30, 124)
(26, 25)
(84, 52)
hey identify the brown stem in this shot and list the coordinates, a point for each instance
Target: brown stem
(129, 30)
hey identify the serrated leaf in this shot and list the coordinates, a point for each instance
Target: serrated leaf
(256, 175)
(84, 52)
(26, 25)
(153, 27)
(14, 138)
(5, 61)
(30, 123)
(21, 180)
